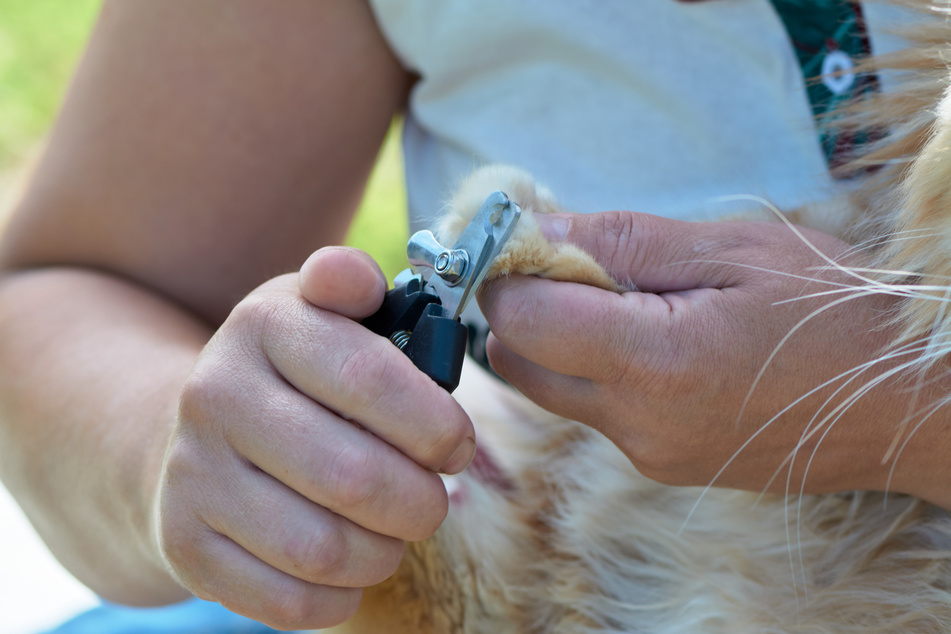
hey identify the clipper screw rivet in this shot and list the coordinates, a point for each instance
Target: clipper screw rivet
(451, 265)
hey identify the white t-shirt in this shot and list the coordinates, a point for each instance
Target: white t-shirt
(648, 105)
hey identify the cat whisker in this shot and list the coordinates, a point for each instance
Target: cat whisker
(749, 440)
(753, 267)
(907, 292)
(808, 432)
(870, 287)
(766, 425)
(849, 401)
(827, 424)
(782, 218)
(931, 412)
(782, 342)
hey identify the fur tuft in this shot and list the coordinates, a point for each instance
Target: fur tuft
(527, 252)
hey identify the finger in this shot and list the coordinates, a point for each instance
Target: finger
(222, 571)
(568, 328)
(365, 378)
(344, 280)
(337, 465)
(568, 396)
(658, 254)
(296, 536)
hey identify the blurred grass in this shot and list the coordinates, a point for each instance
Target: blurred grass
(40, 43)
(381, 228)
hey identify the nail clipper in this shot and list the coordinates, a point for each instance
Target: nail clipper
(420, 315)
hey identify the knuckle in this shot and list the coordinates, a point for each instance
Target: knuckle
(512, 315)
(430, 520)
(202, 390)
(301, 606)
(345, 607)
(447, 435)
(352, 480)
(389, 561)
(216, 381)
(264, 322)
(185, 546)
(365, 373)
(291, 608)
(188, 479)
(614, 235)
(508, 311)
(431, 508)
(318, 554)
(175, 540)
(197, 392)
(184, 459)
(524, 317)
(254, 313)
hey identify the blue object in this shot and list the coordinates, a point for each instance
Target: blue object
(189, 617)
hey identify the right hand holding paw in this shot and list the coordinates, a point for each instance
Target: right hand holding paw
(305, 451)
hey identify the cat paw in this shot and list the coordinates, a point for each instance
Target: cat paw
(527, 251)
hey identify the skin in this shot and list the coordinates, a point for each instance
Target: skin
(665, 372)
(175, 419)
(174, 422)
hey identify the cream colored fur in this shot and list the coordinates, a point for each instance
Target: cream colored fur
(571, 539)
(527, 251)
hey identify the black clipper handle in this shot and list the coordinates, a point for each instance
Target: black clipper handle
(401, 309)
(416, 322)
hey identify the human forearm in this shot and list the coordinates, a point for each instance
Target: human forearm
(203, 148)
(92, 369)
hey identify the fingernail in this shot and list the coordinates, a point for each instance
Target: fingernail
(554, 226)
(460, 458)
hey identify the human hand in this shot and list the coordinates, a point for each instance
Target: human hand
(305, 452)
(666, 372)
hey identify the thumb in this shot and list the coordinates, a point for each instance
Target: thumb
(344, 280)
(656, 254)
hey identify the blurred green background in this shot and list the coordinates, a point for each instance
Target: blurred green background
(40, 43)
